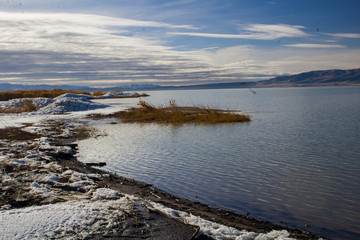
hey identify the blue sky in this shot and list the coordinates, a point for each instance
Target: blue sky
(108, 42)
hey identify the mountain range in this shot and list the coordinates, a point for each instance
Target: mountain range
(315, 78)
(332, 77)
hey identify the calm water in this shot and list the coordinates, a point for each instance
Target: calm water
(297, 162)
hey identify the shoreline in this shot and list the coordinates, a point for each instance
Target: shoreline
(67, 161)
(228, 218)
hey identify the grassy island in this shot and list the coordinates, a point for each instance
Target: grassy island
(173, 114)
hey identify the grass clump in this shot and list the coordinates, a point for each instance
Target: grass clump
(8, 95)
(173, 114)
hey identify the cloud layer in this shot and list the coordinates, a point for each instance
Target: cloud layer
(89, 49)
(79, 47)
(255, 31)
(315, 45)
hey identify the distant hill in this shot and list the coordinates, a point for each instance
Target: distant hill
(315, 78)
(307, 79)
(209, 86)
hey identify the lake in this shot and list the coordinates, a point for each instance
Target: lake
(297, 163)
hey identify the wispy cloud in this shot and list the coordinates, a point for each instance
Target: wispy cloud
(79, 48)
(277, 30)
(266, 62)
(180, 2)
(255, 31)
(344, 35)
(99, 50)
(315, 45)
(91, 19)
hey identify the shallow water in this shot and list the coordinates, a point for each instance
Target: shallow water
(297, 163)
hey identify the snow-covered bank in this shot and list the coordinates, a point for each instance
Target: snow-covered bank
(72, 204)
(84, 218)
(219, 231)
(107, 211)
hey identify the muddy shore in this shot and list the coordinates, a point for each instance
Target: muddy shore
(18, 144)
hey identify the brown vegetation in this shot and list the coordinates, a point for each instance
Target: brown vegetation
(99, 93)
(26, 107)
(78, 132)
(173, 114)
(8, 95)
(102, 92)
(16, 134)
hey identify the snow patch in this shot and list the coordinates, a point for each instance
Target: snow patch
(69, 103)
(105, 193)
(20, 162)
(275, 235)
(118, 94)
(65, 150)
(40, 190)
(19, 102)
(61, 221)
(219, 231)
(85, 184)
(52, 179)
(62, 104)
(53, 167)
(32, 156)
(44, 143)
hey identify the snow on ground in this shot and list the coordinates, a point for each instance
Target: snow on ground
(69, 220)
(219, 231)
(73, 105)
(69, 103)
(78, 219)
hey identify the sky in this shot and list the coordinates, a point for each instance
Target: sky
(179, 42)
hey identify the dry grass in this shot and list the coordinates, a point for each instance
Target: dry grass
(173, 114)
(102, 92)
(83, 132)
(26, 107)
(99, 93)
(16, 134)
(116, 91)
(8, 95)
